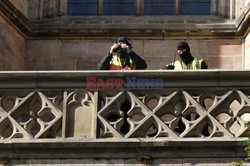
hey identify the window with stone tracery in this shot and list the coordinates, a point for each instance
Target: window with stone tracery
(139, 7)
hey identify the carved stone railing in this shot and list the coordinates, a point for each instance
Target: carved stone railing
(151, 108)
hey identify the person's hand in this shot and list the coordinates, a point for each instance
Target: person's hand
(124, 46)
(169, 67)
(115, 45)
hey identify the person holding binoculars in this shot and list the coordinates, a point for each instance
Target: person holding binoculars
(121, 57)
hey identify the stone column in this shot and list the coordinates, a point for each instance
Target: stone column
(41, 9)
(222, 6)
(177, 7)
(139, 4)
(214, 7)
(232, 9)
(100, 7)
(63, 7)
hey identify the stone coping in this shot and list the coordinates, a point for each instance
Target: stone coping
(171, 79)
(86, 142)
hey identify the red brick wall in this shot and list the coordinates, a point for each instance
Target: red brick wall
(12, 45)
(85, 55)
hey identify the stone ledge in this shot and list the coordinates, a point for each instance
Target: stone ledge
(143, 27)
(171, 79)
(125, 150)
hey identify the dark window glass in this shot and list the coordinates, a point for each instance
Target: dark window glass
(159, 7)
(82, 7)
(119, 7)
(195, 7)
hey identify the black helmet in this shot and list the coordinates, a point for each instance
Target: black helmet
(124, 40)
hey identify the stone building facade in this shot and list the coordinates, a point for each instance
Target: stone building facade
(79, 42)
(52, 117)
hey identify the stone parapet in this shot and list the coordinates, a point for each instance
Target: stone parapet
(140, 115)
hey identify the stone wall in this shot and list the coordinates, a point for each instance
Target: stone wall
(46, 8)
(247, 51)
(240, 7)
(21, 5)
(127, 162)
(85, 55)
(12, 45)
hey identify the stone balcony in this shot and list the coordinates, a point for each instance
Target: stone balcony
(155, 116)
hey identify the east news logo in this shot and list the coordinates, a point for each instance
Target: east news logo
(127, 83)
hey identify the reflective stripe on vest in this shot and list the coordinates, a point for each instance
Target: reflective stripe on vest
(194, 65)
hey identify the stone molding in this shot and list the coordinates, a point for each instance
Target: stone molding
(116, 149)
(144, 27)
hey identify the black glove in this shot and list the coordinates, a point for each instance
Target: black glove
(169, 67)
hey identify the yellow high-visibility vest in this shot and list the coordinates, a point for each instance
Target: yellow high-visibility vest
(115, 64)
(194, 65)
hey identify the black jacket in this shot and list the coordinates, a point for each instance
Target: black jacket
(138, 61)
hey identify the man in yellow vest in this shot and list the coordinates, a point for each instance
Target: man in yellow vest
(121, 57)
(186, 60)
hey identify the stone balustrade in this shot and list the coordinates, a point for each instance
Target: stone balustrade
(166, 114)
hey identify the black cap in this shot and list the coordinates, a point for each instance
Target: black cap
(124, 40)
(183, 45)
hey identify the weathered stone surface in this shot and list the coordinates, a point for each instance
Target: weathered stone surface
(42, 48)
(247, 52)
(129, 162)
(210, 162)
(22, 6)
(12, 47)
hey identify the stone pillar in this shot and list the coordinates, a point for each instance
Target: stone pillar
(232, 9)
(41, 9)
(79, 114)
(222, 6)
(139, 7)
(214, 7)
(177, 7)
(63, 7)
(100, 7)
